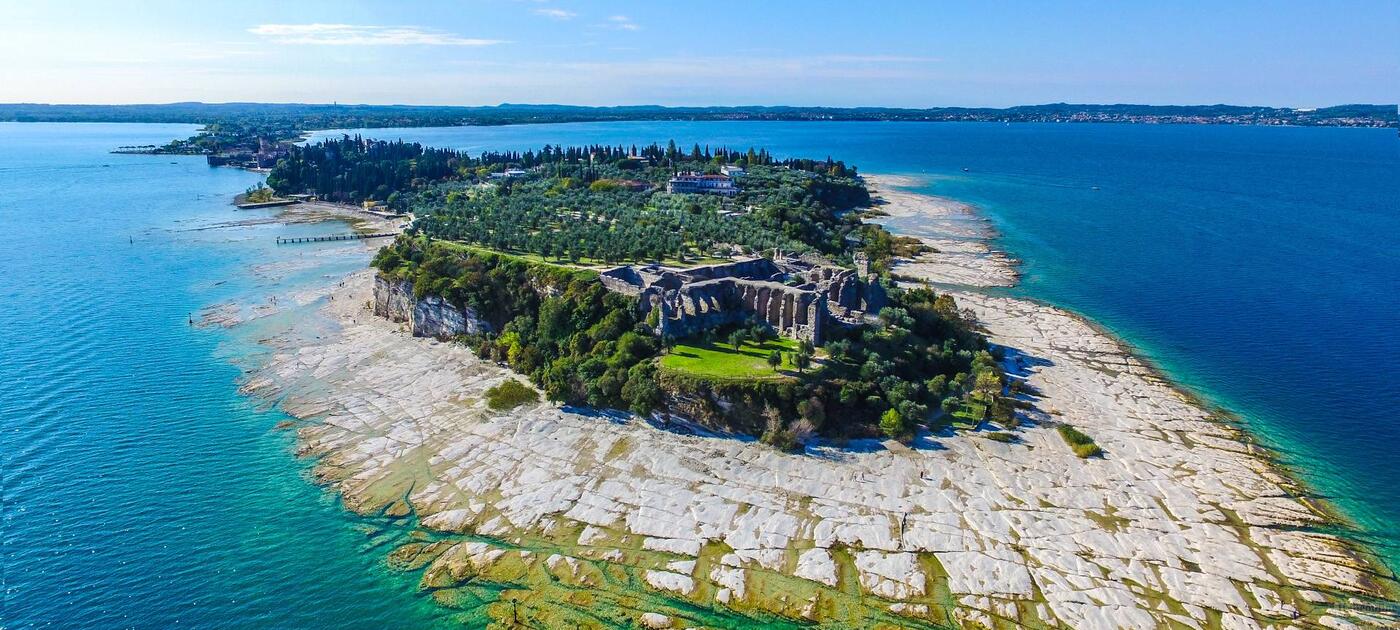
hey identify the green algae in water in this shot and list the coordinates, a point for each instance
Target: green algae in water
(546, 582)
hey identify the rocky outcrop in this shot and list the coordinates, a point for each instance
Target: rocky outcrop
(430, 316)
(393, 299)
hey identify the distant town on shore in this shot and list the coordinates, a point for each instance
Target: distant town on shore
(338, 116)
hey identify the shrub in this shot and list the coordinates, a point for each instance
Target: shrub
(509, 395)
(781, 439)
(1001, 436)
(1081, 444)
(892, 425)
(1085, 451)
(775, 435)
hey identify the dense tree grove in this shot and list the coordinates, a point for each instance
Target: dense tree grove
(922, 355)
(355, 168)
(607, 214)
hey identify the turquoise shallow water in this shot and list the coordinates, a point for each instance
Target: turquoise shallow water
(140, 490)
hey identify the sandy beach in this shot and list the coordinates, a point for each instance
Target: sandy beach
(584, 517)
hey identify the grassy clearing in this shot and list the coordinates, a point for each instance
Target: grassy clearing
(718, 360)
(969, 415)
(509, 395)
(1081, 444)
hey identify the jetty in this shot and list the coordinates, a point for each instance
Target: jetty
(266, 204)
(287, 240)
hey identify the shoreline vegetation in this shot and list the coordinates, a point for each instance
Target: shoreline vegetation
(569, 515)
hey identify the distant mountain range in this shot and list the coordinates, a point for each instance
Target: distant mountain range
(333, 116)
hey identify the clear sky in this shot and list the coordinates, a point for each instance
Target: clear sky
(757, 52)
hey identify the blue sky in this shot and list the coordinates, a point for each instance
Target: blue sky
(856, 52)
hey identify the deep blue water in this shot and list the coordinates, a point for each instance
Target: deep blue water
(1259, 266)
(139, 489)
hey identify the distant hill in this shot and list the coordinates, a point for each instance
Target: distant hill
(332, 116)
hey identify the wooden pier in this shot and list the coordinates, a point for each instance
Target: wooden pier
(287, 240)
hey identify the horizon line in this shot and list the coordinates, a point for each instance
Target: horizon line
(653, 105)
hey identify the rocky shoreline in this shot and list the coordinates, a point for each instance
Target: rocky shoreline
(560, 516)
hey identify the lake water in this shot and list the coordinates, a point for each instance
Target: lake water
(1259, 266)
(140, 489)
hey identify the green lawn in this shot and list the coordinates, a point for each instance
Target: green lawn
(969, 415)
(720, 361)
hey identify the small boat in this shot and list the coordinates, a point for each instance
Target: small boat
(965, 169)
(1093, 188)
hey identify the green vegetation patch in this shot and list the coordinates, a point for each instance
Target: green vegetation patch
(591, 205)
(510, 394)
(970, 414)
(720, 361)
(259, 194)
(1081, 444)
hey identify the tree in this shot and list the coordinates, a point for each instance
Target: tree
(892, 425)
(775, 359)
(802, 360)
(737, 338)
(936, 385)
(987, 384)
(641, 391)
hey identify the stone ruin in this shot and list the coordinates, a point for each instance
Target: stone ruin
(799, 298)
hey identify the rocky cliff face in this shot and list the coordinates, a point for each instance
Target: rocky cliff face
(431, 316)
(393, 300)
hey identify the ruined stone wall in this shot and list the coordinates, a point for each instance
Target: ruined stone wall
(694, 300)
(794, 312)
(692, 309)
(844, 288)
(695, 308)
(753, 269)
(624, 280)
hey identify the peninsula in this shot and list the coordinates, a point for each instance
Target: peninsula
(927, 455)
